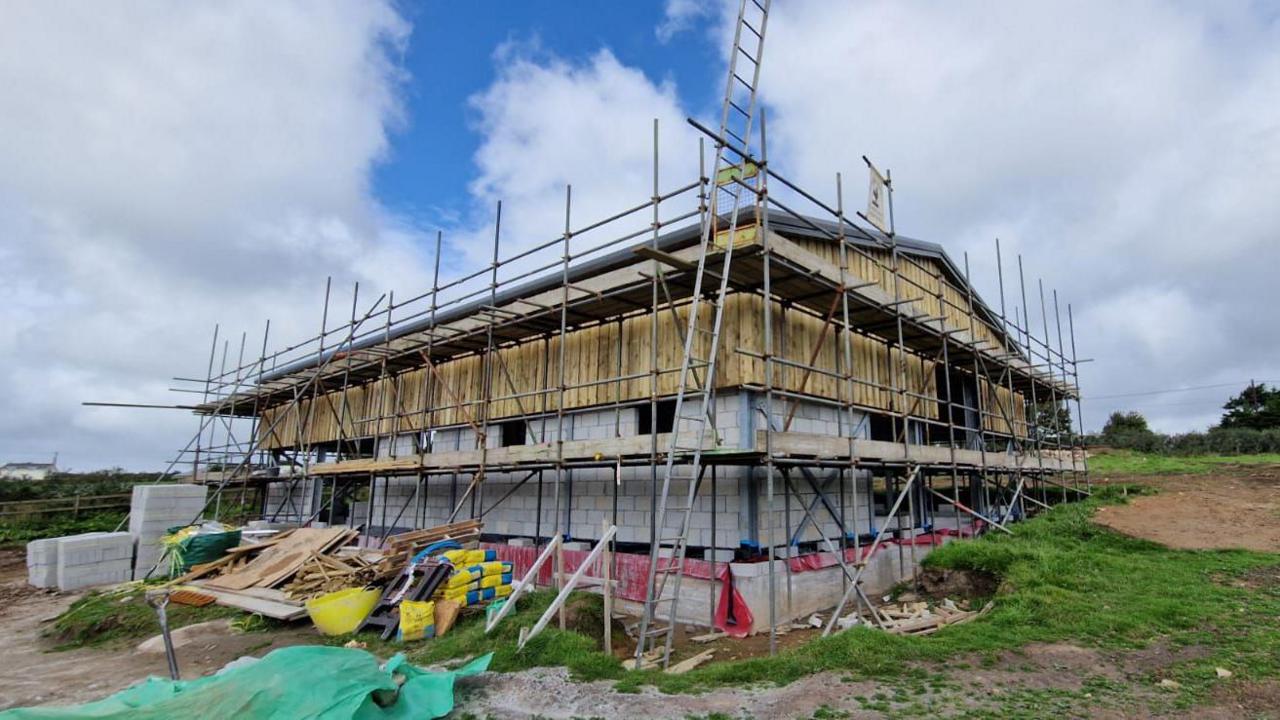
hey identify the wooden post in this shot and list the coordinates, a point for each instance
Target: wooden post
(560, 579)
(606, 575)
(75, 510)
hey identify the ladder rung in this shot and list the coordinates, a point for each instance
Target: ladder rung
(745, 84)
(736, 136)
(757, 4)
(656, 631)
(747, 55)
(738, 107)
(750, 27)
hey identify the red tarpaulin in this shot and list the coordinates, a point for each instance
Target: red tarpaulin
(631, 575)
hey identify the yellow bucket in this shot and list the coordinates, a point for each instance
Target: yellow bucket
(341, 612)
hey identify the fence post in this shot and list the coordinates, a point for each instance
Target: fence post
(75, 510)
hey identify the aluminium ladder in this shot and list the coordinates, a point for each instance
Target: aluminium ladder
(695, 397)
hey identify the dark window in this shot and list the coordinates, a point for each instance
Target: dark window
(882, 428)
(515, 432)
(666, 417)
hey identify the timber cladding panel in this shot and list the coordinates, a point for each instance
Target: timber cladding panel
(525, 377)
(921, 279)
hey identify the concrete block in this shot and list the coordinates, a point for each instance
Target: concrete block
(719, 555)
(520, 542)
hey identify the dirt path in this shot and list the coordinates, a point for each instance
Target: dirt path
(1040, 680)
(33, 674)
(1236, 508)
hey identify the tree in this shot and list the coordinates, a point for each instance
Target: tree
(1053, 423)
(1125, 423)
(1256, 407)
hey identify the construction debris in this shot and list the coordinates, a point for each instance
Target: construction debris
(324, 573)
(688, 664)
(918, 618)
(277, 561)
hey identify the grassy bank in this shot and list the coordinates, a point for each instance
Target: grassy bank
(123, 616)
(1132, 462)
(1065, 579)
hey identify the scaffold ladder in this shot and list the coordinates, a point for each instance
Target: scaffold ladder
(734, 179)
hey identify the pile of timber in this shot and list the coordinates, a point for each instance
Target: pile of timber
(401, 548)
(326, 573)
(249, 577)
(919, 618)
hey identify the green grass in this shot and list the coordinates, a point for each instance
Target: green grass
(1131, 462)
(123, 616)
(1065, 579)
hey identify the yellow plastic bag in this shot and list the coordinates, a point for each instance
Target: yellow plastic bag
(417, 620)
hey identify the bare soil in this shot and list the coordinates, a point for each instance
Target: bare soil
(33, 673)
(1237, 508)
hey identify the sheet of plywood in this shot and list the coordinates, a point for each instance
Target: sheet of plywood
(281, 561)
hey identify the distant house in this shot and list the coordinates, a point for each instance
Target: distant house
(27, 471)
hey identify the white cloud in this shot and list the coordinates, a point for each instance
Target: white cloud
(1130, 151)
(167, 167)
(681, 15)
(547, 122)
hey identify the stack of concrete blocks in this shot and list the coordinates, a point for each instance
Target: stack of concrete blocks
(42, 563)
(291, 499)
(94, 559)
(155, 509)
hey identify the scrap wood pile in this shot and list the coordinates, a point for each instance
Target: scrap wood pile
(919, 618)
(903, 618)
(401, 548)
(325, 573)
(416, 572)
(249, 577)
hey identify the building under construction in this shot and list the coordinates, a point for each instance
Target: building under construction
(736, 381)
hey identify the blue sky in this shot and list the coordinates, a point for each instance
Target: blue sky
(450, 57)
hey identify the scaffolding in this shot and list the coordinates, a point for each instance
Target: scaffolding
(966, 411)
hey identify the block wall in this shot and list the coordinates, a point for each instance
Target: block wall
(738, 504)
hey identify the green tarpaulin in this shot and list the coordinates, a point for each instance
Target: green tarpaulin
(295, 682)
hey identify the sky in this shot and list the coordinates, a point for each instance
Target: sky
(168, 167)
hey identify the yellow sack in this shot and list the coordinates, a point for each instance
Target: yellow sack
(466, 558)
(493, 581)
(466, 576)
(417, 619)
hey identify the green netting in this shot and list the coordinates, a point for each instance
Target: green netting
(295, 682)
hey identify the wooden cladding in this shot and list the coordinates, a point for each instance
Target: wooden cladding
(920, 279)
(612, 361)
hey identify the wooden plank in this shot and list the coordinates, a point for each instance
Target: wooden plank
(688, 664)
(279, 562)
(248, 603)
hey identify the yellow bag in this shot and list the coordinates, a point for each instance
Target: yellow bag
(466, 558)
(417, 620)
(484, 571)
